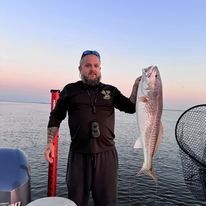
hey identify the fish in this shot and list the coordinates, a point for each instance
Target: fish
(149, 106)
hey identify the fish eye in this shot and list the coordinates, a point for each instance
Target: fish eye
(156, 75)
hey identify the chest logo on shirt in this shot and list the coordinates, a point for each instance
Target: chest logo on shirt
(106, 94)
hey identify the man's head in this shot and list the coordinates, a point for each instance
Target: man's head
(89, 68)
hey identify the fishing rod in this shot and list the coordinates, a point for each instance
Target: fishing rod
(52, 168)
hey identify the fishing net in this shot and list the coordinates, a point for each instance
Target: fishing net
(190, 134)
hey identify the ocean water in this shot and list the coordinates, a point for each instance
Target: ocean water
(24, 126)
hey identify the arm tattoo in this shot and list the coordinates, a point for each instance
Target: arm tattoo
(51, 133)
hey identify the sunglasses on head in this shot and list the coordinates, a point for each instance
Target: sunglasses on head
(89, 52)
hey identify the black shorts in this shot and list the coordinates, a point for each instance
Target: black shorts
(93, 172)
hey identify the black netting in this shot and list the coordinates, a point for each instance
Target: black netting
(191, 136)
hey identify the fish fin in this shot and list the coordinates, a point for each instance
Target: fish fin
(144, 99)
(138, 144)
(148, 172)
(159, 137)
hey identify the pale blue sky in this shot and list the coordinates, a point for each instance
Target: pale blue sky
(41, 42)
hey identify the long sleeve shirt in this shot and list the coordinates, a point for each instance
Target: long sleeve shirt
(84, 105)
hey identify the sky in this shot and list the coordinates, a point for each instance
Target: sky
(41, 42)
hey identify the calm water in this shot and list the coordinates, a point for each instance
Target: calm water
(23, 126)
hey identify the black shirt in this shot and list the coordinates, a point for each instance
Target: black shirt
(84, 105)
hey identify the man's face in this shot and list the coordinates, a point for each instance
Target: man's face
(90, 69)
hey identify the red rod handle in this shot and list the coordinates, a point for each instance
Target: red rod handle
(52, 170)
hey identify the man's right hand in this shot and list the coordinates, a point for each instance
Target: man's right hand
(133, 95)
(49, 152)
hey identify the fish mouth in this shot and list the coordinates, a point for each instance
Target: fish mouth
(148, 71)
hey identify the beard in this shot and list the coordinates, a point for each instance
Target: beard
(90, 82)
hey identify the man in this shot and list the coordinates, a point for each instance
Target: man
(93, 162)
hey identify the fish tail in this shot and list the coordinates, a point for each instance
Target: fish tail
(148, 172)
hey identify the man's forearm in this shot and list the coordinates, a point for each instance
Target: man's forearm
(133, 95)
(51, 133)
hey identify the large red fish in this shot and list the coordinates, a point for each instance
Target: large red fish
(149, 106)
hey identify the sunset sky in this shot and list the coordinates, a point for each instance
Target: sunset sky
(41, 42)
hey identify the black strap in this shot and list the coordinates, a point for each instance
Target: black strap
(93, 103)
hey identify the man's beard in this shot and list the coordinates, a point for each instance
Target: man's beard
(90, 82)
